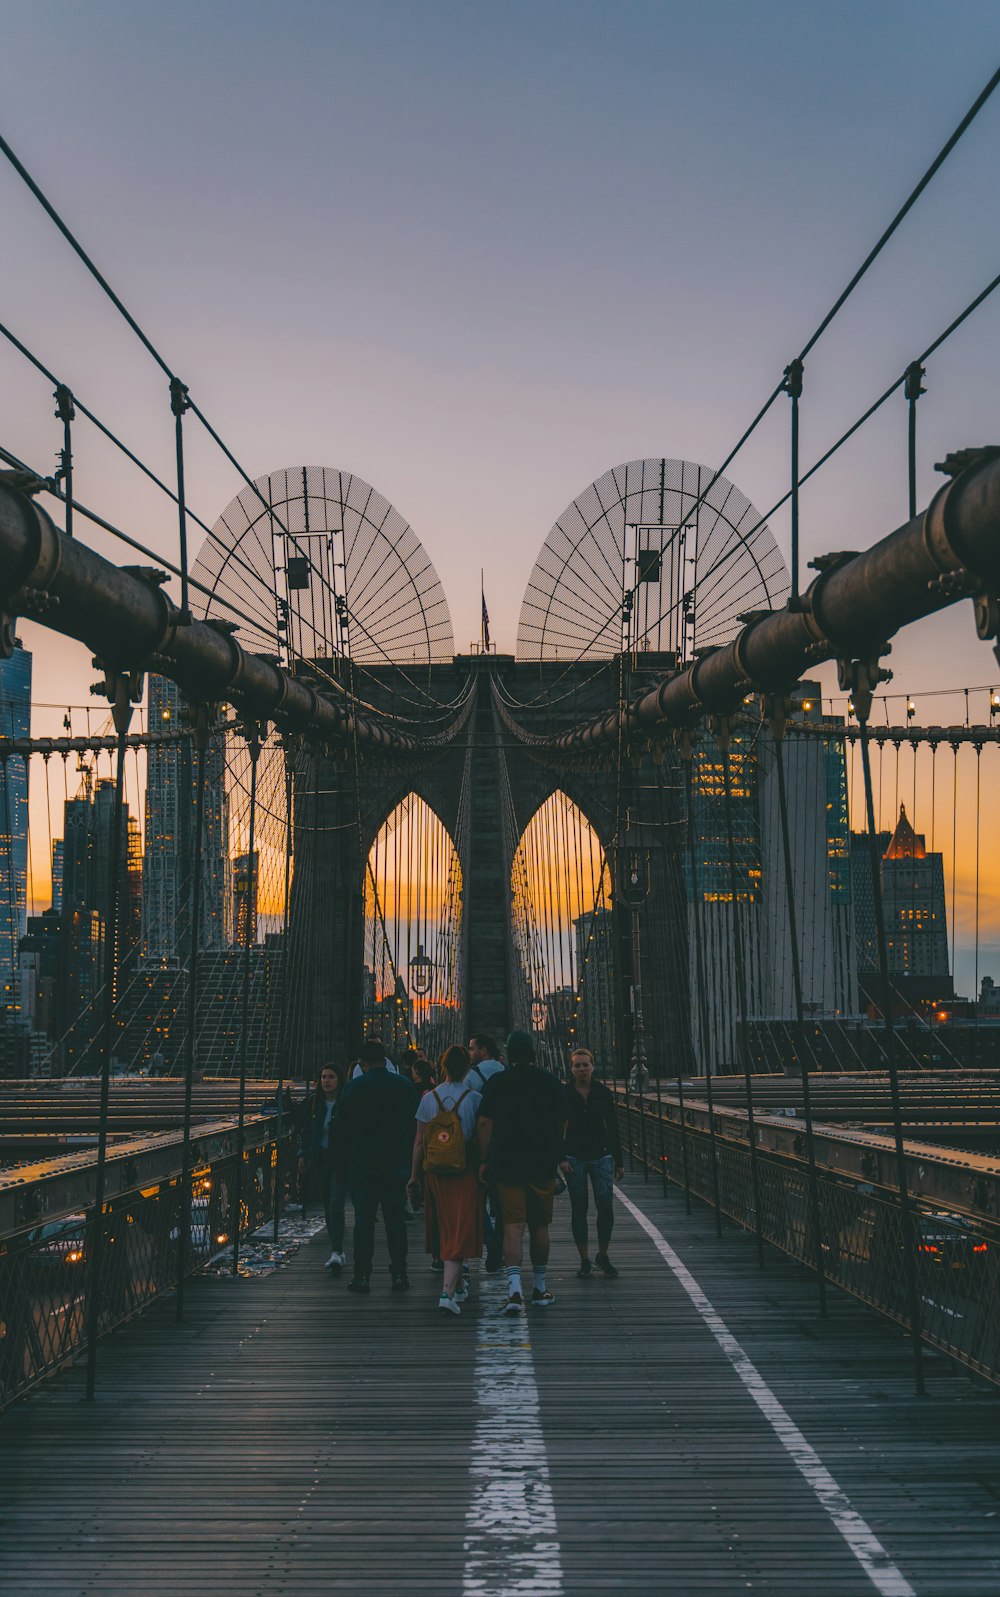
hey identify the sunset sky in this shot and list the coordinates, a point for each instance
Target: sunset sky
(477, 255)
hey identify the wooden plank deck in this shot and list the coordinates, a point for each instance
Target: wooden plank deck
(290, 1440)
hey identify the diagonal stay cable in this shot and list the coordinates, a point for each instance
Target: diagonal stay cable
(845, 294)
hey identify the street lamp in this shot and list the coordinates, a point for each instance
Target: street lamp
(421, 972)
(633, 889)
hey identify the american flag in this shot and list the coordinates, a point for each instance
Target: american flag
(486, 616)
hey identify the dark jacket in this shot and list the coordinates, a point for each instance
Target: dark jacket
(592, 1124)
(374, 1126)
(311, 1136)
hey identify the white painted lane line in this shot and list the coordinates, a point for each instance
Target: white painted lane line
(511, 1539)
(860, 1538)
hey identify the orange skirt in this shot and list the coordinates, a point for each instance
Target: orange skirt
(453, 1212)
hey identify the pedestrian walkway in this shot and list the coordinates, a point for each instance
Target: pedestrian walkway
(693, 1428)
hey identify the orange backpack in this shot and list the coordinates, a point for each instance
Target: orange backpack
(444, 1140)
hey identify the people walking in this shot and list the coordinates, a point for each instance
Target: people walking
(444, 1162)
(358, 1068)
(522, 1120)
(593, 1159)
(317, 1159)
(373, 1135)
(483, 1059)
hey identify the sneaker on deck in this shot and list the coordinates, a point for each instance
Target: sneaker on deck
(585, 1271)
(437, 1264)
(401, 1281)
(541, 1300)
(360, 1283)
(462, 1294)
(606, 1267)
(514, 1304)
(335, 1263)
(449, 1305)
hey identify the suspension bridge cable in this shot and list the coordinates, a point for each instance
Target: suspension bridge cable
(727, 554)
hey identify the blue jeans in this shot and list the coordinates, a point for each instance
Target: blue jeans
(599, 1174)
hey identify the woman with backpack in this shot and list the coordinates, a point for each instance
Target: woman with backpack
(442, 1154)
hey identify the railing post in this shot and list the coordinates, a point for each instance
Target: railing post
(687, 755)
(684, 1144)
(862, 701)
(202, 720)
(254, 735)
(741, 991)
(777, 721)
(122, 692)
(279, 1174)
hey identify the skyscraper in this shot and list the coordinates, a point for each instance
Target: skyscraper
(727, 913)
(171, 787)
(913, 902)
(15, 721)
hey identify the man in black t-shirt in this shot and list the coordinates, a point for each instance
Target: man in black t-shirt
(522, 1122)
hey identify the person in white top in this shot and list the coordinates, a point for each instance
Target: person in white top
(453, 1198)
(483, 1056)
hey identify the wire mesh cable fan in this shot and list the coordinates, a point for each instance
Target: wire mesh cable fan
(633, 564)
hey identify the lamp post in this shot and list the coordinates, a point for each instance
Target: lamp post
(633, 889)
(421, 969)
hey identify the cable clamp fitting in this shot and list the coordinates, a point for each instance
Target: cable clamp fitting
(860, 678)
(122, 689)
(179, 401)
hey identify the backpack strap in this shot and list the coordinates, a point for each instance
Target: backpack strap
(461, 1100)
(437, 1100)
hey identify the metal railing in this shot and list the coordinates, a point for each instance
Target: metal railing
(953, 1199)
(49, 1227)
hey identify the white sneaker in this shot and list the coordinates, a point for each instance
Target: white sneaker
(336, 1262)
(462, 1293)
(449, 1305)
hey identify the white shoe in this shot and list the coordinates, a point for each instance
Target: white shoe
(462, 1294)
(336, 1261)
(449, 1305)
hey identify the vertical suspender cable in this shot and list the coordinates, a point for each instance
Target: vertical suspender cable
(687, 756)
(249, 911)
(912, 388)
(96, 1249)
(179, 403)
(800, 1030)
(279, 1172)
(200, 745)
(66, 412)
(905, 1214)
(793, 386)
(741, 995)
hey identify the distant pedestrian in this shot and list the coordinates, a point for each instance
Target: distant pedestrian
(593, 1159)
(483, 1053)
(317, 1159)
(444, 1161)
(422, 1074)
(522, 1120)
(483, 1059)
(373, 1138)
(358, 1069)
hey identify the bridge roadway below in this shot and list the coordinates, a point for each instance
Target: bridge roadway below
(290, 1440)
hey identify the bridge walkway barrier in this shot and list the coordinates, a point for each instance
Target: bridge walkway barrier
(693, 1427)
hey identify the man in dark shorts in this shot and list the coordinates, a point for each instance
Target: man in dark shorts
(522, 1123)
(373, 1141)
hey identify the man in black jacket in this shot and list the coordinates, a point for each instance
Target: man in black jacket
(594, 1155)
(521, 1123)
(374, 1142)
